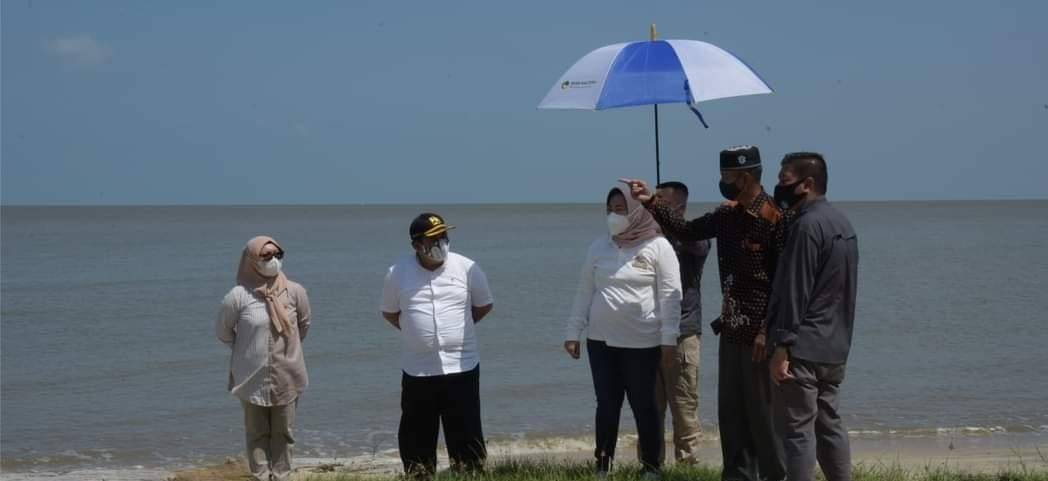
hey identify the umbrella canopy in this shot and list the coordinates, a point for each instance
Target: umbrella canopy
(653, 72)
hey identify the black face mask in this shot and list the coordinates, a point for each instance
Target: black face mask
(786, 195)
(729, 191)
(680, 209)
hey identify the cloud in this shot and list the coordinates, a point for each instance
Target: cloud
(79, 50)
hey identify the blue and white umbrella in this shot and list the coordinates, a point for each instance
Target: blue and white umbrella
(651, 73)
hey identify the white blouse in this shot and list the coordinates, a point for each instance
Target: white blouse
(628, 297)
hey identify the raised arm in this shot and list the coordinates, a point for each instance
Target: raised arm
(671, 222)
(674, 225)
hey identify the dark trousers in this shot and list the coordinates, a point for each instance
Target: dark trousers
(619, 372)
(426, 402)
(749, 445)
(807, 419)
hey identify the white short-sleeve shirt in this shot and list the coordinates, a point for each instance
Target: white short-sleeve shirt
(436, 316)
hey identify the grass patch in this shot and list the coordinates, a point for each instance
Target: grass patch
(541, 471)
(561, 471)
(862, 472)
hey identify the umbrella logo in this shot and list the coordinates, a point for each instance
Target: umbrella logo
(577, 84)
(742, 159)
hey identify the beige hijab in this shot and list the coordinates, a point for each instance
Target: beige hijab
(642, 225)
(268, 288)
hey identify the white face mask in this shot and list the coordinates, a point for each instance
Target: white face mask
(270, 268)
(617, 224)
(439, 252)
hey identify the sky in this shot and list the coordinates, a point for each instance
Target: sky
(332, 102)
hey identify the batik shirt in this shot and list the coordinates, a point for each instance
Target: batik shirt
(749, 240)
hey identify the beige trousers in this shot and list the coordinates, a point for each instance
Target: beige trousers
(678, 387)
(269, 440)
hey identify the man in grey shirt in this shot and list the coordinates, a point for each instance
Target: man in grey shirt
(678, 385)
(810, 320)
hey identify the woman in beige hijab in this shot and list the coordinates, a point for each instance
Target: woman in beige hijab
(264, 319)
(628, 304)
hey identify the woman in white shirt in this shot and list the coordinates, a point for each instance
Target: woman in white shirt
(628, 301)
(263, 320)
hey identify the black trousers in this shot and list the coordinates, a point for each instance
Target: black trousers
(617, 372)
(427, 402)
(749, 445)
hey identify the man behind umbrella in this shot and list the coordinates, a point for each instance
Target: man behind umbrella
(811, 316)
(748, 242)
(434, 296)
(677, 385)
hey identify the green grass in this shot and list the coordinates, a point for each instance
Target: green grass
(559, 471)
(944, 473)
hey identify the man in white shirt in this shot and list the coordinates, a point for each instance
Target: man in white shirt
(434, 297)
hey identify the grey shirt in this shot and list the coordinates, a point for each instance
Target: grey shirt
(692, 256)
(812, 307)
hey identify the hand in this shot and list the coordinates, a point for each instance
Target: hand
(638, 190)
(779, 367)
(572, 347)
(669, 356)
(760, 352)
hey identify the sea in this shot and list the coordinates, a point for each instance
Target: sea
(109, 362)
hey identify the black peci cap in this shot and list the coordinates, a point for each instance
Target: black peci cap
(428, 224)
(742, 157)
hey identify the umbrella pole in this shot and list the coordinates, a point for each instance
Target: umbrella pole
(658, 177)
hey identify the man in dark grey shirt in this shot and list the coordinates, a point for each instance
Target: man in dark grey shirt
(810, 320)
(678, 385)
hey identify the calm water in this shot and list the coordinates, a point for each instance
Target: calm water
(109, 357)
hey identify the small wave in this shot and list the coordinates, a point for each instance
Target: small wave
(948, 431)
